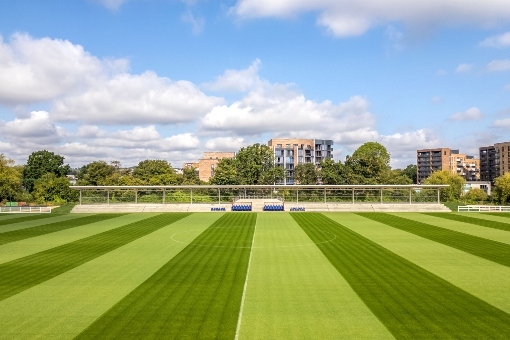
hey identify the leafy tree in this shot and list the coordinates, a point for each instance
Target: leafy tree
(306, 174)
(369, 164)
(476, 195)
(40, 163)
(456, 182)
(163, 179)
(502, 188)
(411, 171)
(255, 165)
(225, 172)
(332, 172)
(150, 168)
(10, 179)
(96, 173)
(396, 177)
(189, 177)
(50, 188)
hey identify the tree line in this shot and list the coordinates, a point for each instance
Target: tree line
(43, 178)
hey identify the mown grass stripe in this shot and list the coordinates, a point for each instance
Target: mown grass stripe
(410, 301)
(21, 274)
(472, 220)
(196, 295)
(21, 234)
(490, 250)
(24, 218)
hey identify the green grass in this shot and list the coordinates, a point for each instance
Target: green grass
(196, 295)
(17, 235)
(490, 250)
(293, 292)
(472, 220)
(63, 209)
(24, 273)
(24, 218)
(409, 300)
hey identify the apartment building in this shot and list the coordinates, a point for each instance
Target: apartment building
(289, 153)
(208, 163)
(430, 160)
(465, 166)
(494, 161)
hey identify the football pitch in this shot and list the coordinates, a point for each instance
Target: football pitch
(247, 275)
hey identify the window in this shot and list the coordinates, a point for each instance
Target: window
(279, 146)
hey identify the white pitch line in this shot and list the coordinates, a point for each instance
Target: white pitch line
(238, 329)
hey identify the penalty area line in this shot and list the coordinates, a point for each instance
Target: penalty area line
(239, 318)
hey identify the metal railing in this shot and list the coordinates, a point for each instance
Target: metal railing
(484, 208)
(25, 209)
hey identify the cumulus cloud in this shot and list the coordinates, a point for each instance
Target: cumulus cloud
(279, 109)
(36, 127)
(197, 23)
(35, 70)
(502, 123)
(136, 99)
(238, 80)
(225, 144)
(351, 18)
(464, 68)
(468, 115)
(499, 41)
(498, 65)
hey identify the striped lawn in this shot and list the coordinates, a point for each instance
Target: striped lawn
(88, 291)
(472, 220)
(10, 216)
(17, 235)
(293, 291)
(24, 273)
(487, 249)
(30, 246)
(196, 295)
(24, 218)
(39, 221)
(465, 228)
(410, 301)
(485, 279)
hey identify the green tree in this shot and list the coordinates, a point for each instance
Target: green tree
(332, 172)
(396, 177)
(40, 163)
(50, 188)
(189, 177)
(225, 172)
(476, 195)
(151, 168)
(411, 171)
(369, 164)
(306, 174)
(456, 182)
(255, 165)
(96, 173)
(10, 179)
(502, 188)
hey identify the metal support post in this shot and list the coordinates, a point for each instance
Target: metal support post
(352, 195)
(108, 197)
(324, 195)
(136, 196)
(80, 196)
(410, 196)
(164, 196)
(191, 195)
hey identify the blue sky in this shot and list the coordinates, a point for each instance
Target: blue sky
(135, 79)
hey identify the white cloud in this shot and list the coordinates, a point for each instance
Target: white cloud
(197, 23)
(225, 144)
(36, 127)
(502, 123)
(280, 110)
(468, 115)
(112, 4)
(238, 80)
(33, 70)
(498, 65)
(499, 41)
(351, 18)
(136, 99)
(463, 68)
